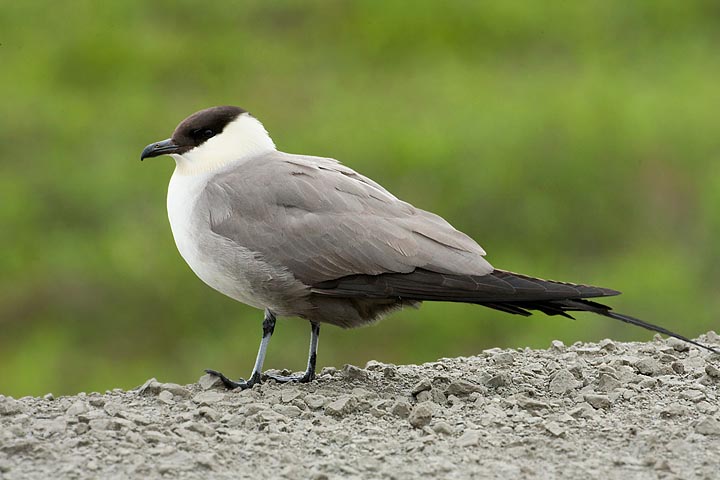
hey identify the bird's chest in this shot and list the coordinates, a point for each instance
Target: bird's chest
(183, 194)
(193, 236)
(227, 267)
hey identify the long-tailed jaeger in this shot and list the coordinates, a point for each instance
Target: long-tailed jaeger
(303, 236)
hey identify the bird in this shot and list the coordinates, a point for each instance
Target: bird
(305, 236)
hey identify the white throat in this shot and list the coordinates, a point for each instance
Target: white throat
(243, 138)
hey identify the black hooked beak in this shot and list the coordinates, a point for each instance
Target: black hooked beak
(156, 149)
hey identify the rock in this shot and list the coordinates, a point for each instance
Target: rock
(389, 371)
(10, 406)
(421, 415)
(101, 424)
(583, 410)
(461, 387)
(648, 383)
(443, 428)
(53, 425)
(353, 373)
(563, 381)
(208, 381)
(647, 366)
(201, 428)
(253, 408)
(177, 390)
(712, 371)
(424, 396)
(288, 410)
(342, 406)
(77, 408)
(290, 394)
(49, 397)
(607, 344)
(677, 344)
(530, 403)
(208, 398)
(401, 409)
(557, 346)
(150, 387)
(314, 401)
(554, 428)
(597, 401)
(421, 386)
(692, 395)
(209, 413)
(503, 358)
(607, 383)
(678, 367)
(469, 439)
(496, 381)
(166, 398)
(112, 408)
(374, 365)
(153, 436)
(708, 426)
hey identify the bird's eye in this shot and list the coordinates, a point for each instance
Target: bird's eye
(203, 134)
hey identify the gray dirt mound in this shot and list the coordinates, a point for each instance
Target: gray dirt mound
(607, 410)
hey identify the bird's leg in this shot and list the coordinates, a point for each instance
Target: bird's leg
(268, 329)
(312, 358)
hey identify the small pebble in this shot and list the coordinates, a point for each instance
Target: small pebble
(461, 387)
(10, 406)
(351, 372)
(554, 428)
(342, 406)
(469, 438)
(166, 398)
(496, 381)
(712, 371)
(421, 415)
(708, 426)
(314, 401)
(401, 409)
(647, 366)
(443, 428)
(563, 381)
(209, 413)
(421, 386)
(208, 398)
(503, 358)
(678, 344)
(597, 401)
(77, 408)
(424, 396)
(208, 381)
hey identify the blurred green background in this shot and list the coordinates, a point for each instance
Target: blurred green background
(573, 140)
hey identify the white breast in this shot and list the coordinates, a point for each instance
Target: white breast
(189, 231)
(183, 193)
(203, 250)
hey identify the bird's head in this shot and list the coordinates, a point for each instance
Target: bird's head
(212, 138)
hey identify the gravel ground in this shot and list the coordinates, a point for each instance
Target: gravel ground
(608, 410)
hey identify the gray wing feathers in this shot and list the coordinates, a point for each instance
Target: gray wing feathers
(325, 221)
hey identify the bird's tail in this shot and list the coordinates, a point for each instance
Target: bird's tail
(562, 307)
(500, 289)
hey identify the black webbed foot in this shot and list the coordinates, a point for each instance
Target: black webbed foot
(304, 378)
(232, 384)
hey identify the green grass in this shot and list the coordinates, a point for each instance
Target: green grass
(576, 141)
